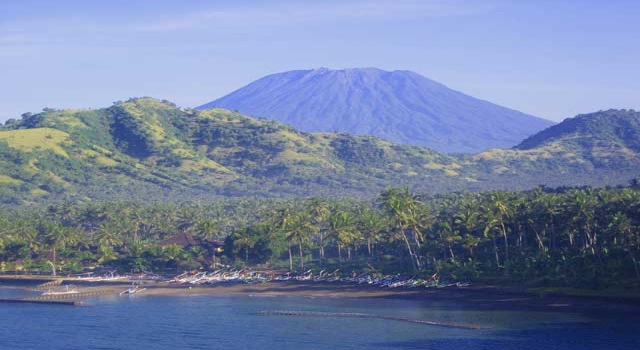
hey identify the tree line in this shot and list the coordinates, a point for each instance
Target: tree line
(569, 236)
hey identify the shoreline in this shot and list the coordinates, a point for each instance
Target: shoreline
(474, 296)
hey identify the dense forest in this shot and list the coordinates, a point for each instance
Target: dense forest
(585, 237)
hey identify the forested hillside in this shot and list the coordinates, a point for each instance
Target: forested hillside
(151, 150)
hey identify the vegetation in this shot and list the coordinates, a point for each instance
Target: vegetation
(104, 188)
(145, 149)
(567, 237)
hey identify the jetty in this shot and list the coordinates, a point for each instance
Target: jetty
(52, 291)
(56, 299)
(79, 295)
(53, 302)
(54, 283)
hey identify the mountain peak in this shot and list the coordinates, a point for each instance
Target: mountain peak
(401, 106)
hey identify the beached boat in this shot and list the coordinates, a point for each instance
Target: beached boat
(133, 289)
(68, 289)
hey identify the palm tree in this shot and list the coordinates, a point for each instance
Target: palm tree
(402, 205)
(245, 239)
(185, 219)
(64, 213)
(449, 237)
(23, 229)
(499, 211)
(622, 229)
(59, 237)
(298, 230)
(582, 206)
(163, 221)
(319, 211)
(342, 229)
(108, 235)
(138, 224)
(206, 229)
(467, 222)
(280, 224)
(172, 252)
(371, 223)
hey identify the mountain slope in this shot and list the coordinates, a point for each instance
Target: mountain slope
(399, 106)
(145, 146)
(149, 149)
(621, 127)
(579, 146)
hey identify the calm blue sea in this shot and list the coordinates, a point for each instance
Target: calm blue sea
(221, 322)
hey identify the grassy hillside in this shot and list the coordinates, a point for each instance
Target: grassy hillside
(149, 149)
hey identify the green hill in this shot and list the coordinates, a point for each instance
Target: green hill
(606, 139)
(150, 149)
(618, 126)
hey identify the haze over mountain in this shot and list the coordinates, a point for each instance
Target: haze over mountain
(399, 106)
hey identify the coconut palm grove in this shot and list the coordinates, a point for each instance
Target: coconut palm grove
(572, 237)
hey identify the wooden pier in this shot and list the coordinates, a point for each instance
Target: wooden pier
(69, 299)
(54, 283)
(54, 297)
(51, 302)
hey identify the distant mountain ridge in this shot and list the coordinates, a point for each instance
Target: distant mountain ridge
(399, 106)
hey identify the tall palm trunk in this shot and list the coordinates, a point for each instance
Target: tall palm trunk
(406, 241)
(453, 257)
(495, 251)
(539, 239)
(411, 255)
(54, 259)
(506, 242)
(321, 247)
(301, 257)
(416, 234)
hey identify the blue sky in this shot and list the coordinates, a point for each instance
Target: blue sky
(552, 59)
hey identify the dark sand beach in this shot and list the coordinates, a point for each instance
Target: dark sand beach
(473, 296)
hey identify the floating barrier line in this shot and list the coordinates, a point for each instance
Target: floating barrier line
(358, 315)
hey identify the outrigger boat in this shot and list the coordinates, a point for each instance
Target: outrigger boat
(69, 289)
(133, 289)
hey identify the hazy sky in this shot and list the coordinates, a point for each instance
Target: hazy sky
(552, 59)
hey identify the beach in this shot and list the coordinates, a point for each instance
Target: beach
(473, 296)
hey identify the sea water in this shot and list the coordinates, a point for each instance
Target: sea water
(161, 322)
